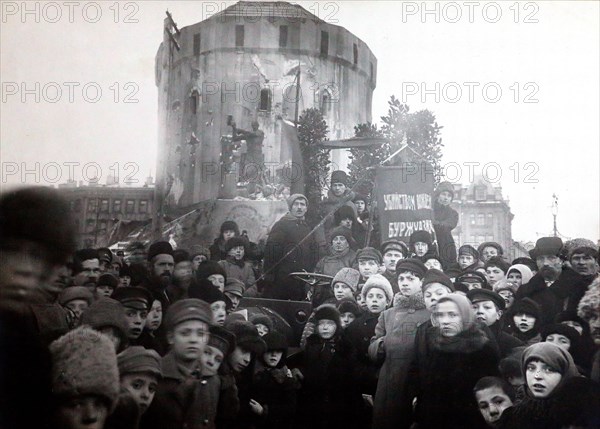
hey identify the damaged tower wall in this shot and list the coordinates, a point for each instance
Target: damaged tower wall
(244, 66)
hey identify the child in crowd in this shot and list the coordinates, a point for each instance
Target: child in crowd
(493, 395)
(107, 316)
(76, 299)
(468, 257)
(393, 344)
(510, 370)
(125, 275)
(368, 261)
(85, 379)
(473, 280)
(556, 395)
(496, 269)
(213, 272)
(349, 311)
(107, 283)
(524, 321)
(421, 245)
(569, 339)
(136, 301)
(275, 386)
(507, 291)
(263, 324)
(519, 274)
(228, 230)
(488, 250)
(341, 253)
(434, 262)
(153, 336)
(235, 265)
(186, 326)
(435, 285)
(234, 291)
(216, 299)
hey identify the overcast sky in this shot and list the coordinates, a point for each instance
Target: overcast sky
(542, 130)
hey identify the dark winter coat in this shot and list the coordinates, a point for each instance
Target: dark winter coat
(394, 343)
(359, 334)
(286, 233)
(576, 404)
(506, 342)
(538, 291)
(241, 270)
(445, 219)
(276, 390)
(570, 287)
(217, 250)
(445, 377)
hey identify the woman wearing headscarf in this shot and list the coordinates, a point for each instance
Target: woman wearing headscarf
(519, 274)
(556, 395)
(451, 356)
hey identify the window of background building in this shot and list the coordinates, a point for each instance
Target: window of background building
(490, 219)
(472, 218)
(480, 239)
(324, 43)
(197, 44)
(103, 225)
(355, 53)
(130, 206)
(239, 36)
(283, 36)
(265, 100)
(92, 205)
(116, 206)
(480, 219)
(104, 206)
(480, 193)
(143, 208)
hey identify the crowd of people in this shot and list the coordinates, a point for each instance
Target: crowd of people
(402, 335)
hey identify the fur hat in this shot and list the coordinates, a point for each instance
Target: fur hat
(181, 255)
(159, 248)
(84, 362)
(580, 245)
(436, 276)
(262, 319)
(246, 336)
(467, 249)
(562, 329)
(589, 305)
(208, 268)
(527, 306)
(75, 292)
(294, 197)
(493, 244)
(339, 176)
(275, 341)
(107, 313)
(344, 212)
(344, 232)
(421, 237)
(38, 215)
(235, 242)
(206, 293)
(413, 265)
(394, 244)
(229, 225)
(220, 338)
(378, 281)
(187, 309)
(369, 253)
(502, 284)
(444, 186)
(360, 197)
(348, 305)
(546, 246)
(108, 279)
(348, 276)
(136, 359)
(497, 261)
(328, 312)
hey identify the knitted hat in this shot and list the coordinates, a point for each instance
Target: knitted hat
(221, 339)
(493, 244)
(39, 215)
(159, 248)
(546, 246)
(348, 276)
(502, 284)
(378, 281)
(339, 176)
(467, 314)
(527, 306)
(108, 279)
(369, 253)
(107, 313)
(421, 237)
(478, 295)
(181, 255)
(134, 297)
(262, 319)
(136, 359)
(235, 242)
(206, 293)
(187, 309)
(75, 292)
(413, 265)
(246, 336)
(84, 362)
(497, 261)
(235, 286)
(344, 232)
(444, 186)
(524, 270)
(208, 268)
(436, 276)
(394, 244)
(467, 249)
(348, 305)
(229, 225)
(328, 312)
(344, 212)
(294, 197)
(552, 355)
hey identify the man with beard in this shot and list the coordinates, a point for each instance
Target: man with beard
(546, 254)
(161, 267)
(86, 269)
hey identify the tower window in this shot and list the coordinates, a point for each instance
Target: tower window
(265, 99)
(239, 36)
(324, 43)
(355, 52)
(197, 44)
(283, 36)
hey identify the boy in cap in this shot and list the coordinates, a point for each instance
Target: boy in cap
(107, 316)
(235, 264)
(473, 280)
(76, 299)
(410, 273)
(369, 262)
(187, 326)
(435, 286)
(507, 291)
(496, 269)
(136, 301)
(341, 253)
(139, 373)
(234, 291)
(220, 344)
(227, 231)
(107, 283)
(468, 257)
(489, 307)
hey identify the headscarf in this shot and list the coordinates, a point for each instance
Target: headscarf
(465, 309)
(525, 271)
(552, 355)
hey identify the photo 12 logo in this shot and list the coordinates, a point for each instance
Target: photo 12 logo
(69, 171)
(70, 92)
(70, 12)
(469, 11)
(469, 92)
